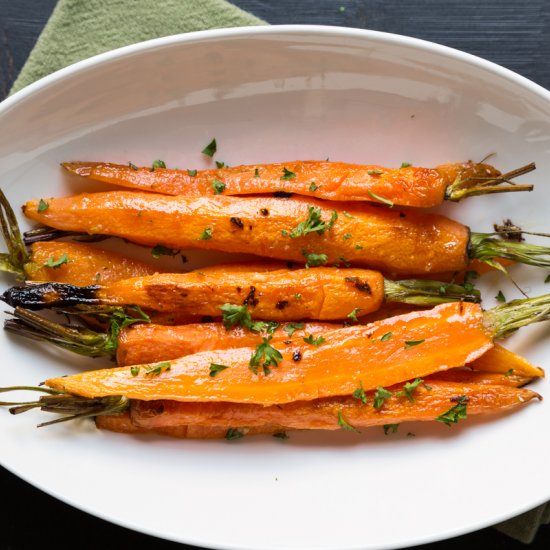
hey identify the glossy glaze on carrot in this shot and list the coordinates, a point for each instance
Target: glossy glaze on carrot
(324, 414)
(336, 181)
(421, 343)
(390, 240)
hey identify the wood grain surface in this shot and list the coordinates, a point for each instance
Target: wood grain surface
(512, 33)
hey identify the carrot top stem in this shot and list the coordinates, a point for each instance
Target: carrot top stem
(474, 185)
(17, 255)
(508, 318)
(72, 406)
(486, 248)
(428, 293)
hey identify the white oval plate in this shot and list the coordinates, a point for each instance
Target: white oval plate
(270, 94)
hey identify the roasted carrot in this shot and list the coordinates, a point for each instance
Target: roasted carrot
(323, 293)
(297, 229)
(421, 404)
(380, 354)
(337, 181)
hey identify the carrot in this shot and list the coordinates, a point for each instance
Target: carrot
(380, 354)
(421, 404)
(337, 181)
(323, 293)
(298, 229)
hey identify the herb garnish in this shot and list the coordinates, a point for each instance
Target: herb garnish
(220, 164)
(313, 186)
(210, 149)
(344, 425)
(291, 328)
(347, 236)
(405, 164)
(155, 370)
(287, 174)
(233, 433)
(509, 372)
(133, 166)
(381, 199)
(358, 247)
(158, 164)
(192, 173)
(374, 172)
(280, 435)
(411, 343)
(239, 315)
(353, 314)
(42, 205)
(500, 297)
(313, 260)
(256, 173)
(119, 320)
(348, 215)
(456, 413)
(216, 369)
(409, 388)
(206, 234)
(386, 337)
(314, 341)
(264, 356)
(360, 394)
(134, 371)
(160, 250)
(547, 280)
(57, 263)
(312, 224)
(218, 186)
(380, 396)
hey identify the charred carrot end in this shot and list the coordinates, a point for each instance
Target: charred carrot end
(404, 186)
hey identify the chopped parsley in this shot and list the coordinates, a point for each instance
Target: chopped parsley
(313, 186)
(42, 205)
(358, 247)
(239, 315)
(380, 396)
(390, 428)
(412, 343)
(210, 149)
(314, 341)
(380, 199)
(134, 371)
(64, 259)
(119, 320)
(360, 394)
(405, 164)
(297, 296)
(287, 174)
(386, 337)
(374, 172)
(280, 435)
(455, 413)
(216, 369)
(409, 388)
(133, 166)
(158, 164)
(347, 236)
(192, 173)
(256, 173)
(206, 234)
(218, 186)
(344, 425)
(161, 250)
(155, 370)
(312, 224)
(348, 215)
(264, 356)
(353, 314)
(500, 297)
(220, 164)
(233, 433)
(291, 328)
(313, 260)
(509, 372)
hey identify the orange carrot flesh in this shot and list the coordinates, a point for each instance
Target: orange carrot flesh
(389, 240)
(421, 343)
(324, 414)
(84, 265)
(322, 293)
(336, 181)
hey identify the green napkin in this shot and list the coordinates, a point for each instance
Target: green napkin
(79, 29)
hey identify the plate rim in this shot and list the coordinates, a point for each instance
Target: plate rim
(81, 67)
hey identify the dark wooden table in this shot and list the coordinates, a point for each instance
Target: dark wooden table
(511, 33)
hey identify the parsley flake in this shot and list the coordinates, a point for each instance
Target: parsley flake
(353, 314)
(312, 224)
(390, 428)
(412, 343)
(218, 186)
(220, 164)
(360, 394)
(216, 369)
(287, 174)
(348, 215)
(256, 173)
(158, 164)
(405, 164)
(380, 396)
(161, 250)
(500, 297)
(192, 173)
(347, 236)
(239, 315)
(313, 186)
(313, 260)
(374, 172)
(280, 435)
(155, 370)
(264, 356)
(206, 234)
(133, 166)
(314, 341)
(381, 199)
(42, 205)
(509, 372)
(233, 433)
(210, 149)
(134, 371)
(64, 259)
(291, 328)
(456, 413)
(386, 337)
(409, 388)
(344, 425)
(358, 247)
